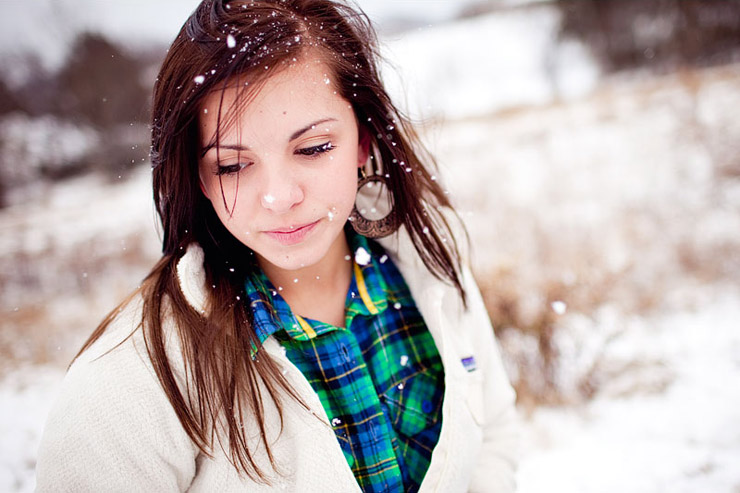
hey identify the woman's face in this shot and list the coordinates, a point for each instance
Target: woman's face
(283, 177)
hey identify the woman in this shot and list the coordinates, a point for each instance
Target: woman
(276, 344)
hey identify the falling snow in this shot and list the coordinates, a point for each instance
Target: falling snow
(681, 438)
(558, 307)
(362, 257)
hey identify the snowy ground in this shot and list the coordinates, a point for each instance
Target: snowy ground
(684, 438)
(26, 396)
(620, 201)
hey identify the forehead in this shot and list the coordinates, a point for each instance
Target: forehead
(299, 87)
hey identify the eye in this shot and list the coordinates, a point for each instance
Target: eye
(315, 151)
(230, 169)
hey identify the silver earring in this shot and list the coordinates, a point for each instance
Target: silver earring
(379, 228)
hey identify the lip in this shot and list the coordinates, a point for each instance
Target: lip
(292, 236)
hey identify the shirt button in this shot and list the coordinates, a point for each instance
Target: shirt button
(426, 406)
(345, 353)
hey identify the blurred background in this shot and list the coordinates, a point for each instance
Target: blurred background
(592, 147)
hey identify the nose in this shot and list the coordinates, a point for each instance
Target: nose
(282, 191)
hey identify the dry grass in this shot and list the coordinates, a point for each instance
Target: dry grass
(621, 202)
(54, 300)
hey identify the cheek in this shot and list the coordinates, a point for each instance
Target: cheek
(223, 192)
(237, 218)
(341, 188)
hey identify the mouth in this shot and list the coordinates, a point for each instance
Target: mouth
(292, 235)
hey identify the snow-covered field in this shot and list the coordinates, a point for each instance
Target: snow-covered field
(681, 434)
(682, 438)
(609, 208)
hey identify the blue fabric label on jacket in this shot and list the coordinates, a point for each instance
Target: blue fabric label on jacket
(469, 363)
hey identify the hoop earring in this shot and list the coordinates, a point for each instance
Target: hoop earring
(379, 228)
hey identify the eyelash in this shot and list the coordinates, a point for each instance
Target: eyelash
(231, 169)
(309, 152)
(315, 151)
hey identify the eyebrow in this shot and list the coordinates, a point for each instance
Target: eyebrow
(308, 127)
(226, 147)
(238, 147)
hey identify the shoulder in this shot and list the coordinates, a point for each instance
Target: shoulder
(113, 373)
(465, 328)
(113, 415)
(114, 381)
(421, 281)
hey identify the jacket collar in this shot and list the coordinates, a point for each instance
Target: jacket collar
(192, 277)
(432, 296)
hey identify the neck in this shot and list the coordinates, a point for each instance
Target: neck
(330, 278)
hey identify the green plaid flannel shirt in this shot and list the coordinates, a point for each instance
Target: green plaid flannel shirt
(380, 379)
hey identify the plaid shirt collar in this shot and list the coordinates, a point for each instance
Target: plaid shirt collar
(366, 296)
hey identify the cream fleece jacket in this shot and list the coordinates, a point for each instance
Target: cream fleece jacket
(113, 428)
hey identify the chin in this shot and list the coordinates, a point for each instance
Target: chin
(294, 260)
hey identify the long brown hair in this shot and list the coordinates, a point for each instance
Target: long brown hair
(248, 39)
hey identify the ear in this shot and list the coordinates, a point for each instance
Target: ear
(363, 146)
